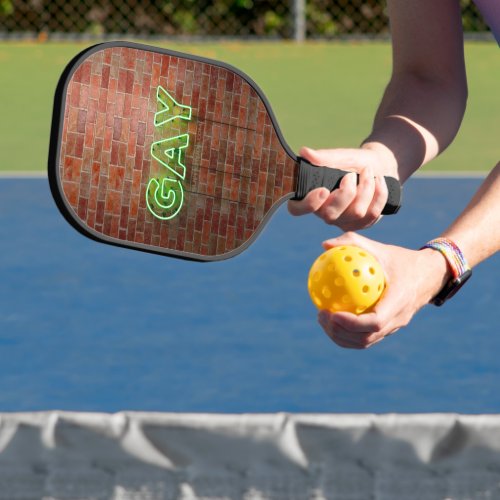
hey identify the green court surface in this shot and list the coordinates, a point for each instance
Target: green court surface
(323, 94)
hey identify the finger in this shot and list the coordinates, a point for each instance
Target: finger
(358, 341)
(371, 343)
(342, 340)
(357, 224)
(353, 341)
(362, 340)
(373, 325)
(362, 324)
(311, 203)
(365, 191)
(366, 209)
(338, 201)
(380, 196)
(344, 344)
(373, 339)
(340, 335)
(349, 338)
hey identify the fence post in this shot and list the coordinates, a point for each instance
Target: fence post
(299, 20)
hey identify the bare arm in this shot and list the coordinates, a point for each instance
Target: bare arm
(425, 100)
(477, 230)
(418, 117)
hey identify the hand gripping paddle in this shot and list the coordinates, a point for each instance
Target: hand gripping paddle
(172, 153)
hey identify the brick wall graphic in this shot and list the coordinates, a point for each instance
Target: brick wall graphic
(236, 168)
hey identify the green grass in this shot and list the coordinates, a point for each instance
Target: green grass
(323, 94)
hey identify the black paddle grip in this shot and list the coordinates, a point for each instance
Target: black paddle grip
(312, 177)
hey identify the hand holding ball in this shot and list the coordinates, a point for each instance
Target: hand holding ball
(346, 278)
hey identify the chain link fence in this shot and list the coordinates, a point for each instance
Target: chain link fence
(282, 19)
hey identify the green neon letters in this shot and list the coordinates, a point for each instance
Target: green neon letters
(165, 193)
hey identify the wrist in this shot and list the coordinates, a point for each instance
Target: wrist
(437, 273)
(386, 157)
(457, 265)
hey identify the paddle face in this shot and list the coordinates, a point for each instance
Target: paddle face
(164, 152)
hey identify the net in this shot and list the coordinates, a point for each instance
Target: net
(153, 456)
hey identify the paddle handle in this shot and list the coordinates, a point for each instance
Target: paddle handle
(311, 177)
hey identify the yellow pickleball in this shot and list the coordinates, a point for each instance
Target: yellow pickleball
(346, 278)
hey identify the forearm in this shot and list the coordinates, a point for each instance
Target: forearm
(477, 230)
(416, 120)
(424, 103)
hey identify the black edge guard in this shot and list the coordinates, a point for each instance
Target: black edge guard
(312, 177)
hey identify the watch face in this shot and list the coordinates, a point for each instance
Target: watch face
(451, 288)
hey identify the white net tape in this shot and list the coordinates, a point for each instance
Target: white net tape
(160, 456)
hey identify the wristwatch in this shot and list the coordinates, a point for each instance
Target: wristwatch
(460, 270)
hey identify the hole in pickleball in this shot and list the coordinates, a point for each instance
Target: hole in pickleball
(347, 258)
(346, 299)
(362, 254)
(379, 287)
(372, 270)
(331, 268)
(360, 309)
(366, 289)
(339, 281)
(327, 293)
(317, 276)
(317, 300)
(356, 273)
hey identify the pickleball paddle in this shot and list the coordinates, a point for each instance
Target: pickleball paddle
(172, 153)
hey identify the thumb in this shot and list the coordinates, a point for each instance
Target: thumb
(351, 159)
(311, 155)
(349, 238)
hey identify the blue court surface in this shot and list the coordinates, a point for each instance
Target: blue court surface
(91, 327)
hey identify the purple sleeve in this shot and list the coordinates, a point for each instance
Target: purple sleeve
(490, 9)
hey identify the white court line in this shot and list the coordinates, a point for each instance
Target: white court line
(12, 174)
(454, 174)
